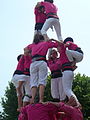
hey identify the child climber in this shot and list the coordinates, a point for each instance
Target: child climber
(74, 53)
(52, 19)
(40, 18)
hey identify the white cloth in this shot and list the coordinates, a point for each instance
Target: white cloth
(57, 88)
(25, 87)
(38, 72)
(71, 54)
(52, 22)
(67, 80)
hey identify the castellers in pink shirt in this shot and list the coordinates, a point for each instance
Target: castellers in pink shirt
(52, 19)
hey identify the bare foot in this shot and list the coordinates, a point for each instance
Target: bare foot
(72, 101)
(40, 101)
(78, 106)
(31, 101)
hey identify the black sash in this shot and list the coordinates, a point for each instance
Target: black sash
(56, 73)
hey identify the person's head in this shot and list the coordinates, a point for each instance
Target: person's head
(42, 9)
(19, 56)
(51, 1)
(38, 38)
(68, 39)
(53, 54)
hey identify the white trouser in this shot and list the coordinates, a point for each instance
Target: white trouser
(38, 72)
(57, 88)
(52, 22)
(71, 54)
(67, 80)
(25, 87)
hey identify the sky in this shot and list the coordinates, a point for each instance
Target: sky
(17, 22)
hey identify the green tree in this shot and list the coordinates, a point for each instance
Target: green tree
(81, 87)
(1, 116)
(9, 103)
(47, 96)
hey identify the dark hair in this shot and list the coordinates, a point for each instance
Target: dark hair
(51, 1)
(19, 56)
(38, 38)
(68, 39)
(54, 51)
(41, 7)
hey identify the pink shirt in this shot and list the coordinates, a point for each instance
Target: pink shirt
(20, 65)
(63, 56)
(23, 63)
(72, 112)
(47, 112)
(27, 62)
(38, 111)
(53, 64)
(39, 17)
(23, 114)
(71, 45)
(42, 47)
(49, 7)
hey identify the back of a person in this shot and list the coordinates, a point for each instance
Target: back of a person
(49, 7)
(27, 62)
(77, 114)
(20, 65)
(71, 112)
(63, 57)
(40, 49)
(38, 112)
(40, 17)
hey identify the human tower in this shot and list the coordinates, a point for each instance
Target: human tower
(32, 69)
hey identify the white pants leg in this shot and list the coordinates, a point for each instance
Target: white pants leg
(57, 88)
(71, 54)
(43, 72)
(34, 74)
(27, 89)
(61, 90)
(52, 22)
(15, 80)
(67, 80)
(38, 71)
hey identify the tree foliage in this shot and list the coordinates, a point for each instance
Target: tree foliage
(1, 116)
(81, 87)
(9, 103)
